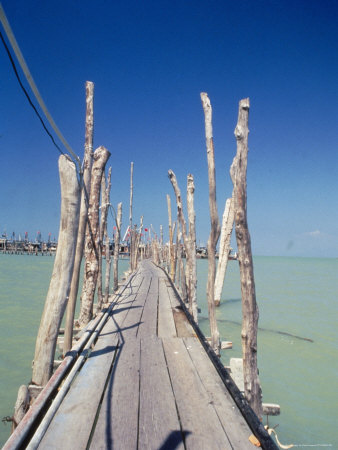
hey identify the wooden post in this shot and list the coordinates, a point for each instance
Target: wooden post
(215, 227)
(224, 248)
(59, 287)
(103, 232)
(171, 246)
(192, 247)
(174, 251)
(183, 224)
(252, 388)
(106, 237)
(117, 245)
(131, 259)
(100, 240)
(161, 246)
(21, 405)
(87, 167)
(180, 263)
(101, 156)
(137, 237)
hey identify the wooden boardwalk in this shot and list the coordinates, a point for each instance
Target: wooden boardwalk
(148, 382)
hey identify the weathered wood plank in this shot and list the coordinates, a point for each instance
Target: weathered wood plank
(200, 423)
(117, 424)
(166, 323)
(75, 417)
(158, 421)
(232, 420)
(148, 323)
(134, 319)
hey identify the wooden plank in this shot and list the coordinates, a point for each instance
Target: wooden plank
(159, 425)
(117, 424)
(75, 417)
(232, 420)
(166, 323)
(134, 319)
(183, 326)
(200, 423)
(148, 323)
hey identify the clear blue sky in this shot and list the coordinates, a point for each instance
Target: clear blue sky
(149, 62)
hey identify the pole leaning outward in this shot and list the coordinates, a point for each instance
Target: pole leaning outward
(101, 156)
(59, 287)
(192, 247)
(252, 387)
(215, 227)
(117, 246)
(224, 248)
(87, 167)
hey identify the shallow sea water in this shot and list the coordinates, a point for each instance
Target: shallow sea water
(297, 296)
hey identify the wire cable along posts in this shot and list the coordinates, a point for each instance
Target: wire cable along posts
(29, 78)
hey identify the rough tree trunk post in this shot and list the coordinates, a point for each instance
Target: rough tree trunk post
(87, 167)
(252, 387)
(182, 221)
(131, 216)
(224, 248)
(215, 227)
(103, 232)
(161, 246)
(171, 246)
(101, 156)
(59, 287)
(178, 258)
(181, 269)
(137, 238)
(192, 249)
(100, 240)
(107, 243)
(21, 405)
(117, 246)
(174, 250)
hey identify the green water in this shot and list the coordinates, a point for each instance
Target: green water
(295, 295)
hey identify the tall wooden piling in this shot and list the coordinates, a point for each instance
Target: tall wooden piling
(252, 387)
(101, 156)
(192, 246)
(103, 232)
(117, 245)
(106, 238)
(131, 215)
(59, 287)
(214, 221)
(171, 244)
(87, 167)
(181, 219)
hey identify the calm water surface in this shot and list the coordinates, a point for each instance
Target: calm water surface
(297, 299)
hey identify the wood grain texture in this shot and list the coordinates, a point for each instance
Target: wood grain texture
(166, 323)
(158, 420)
(232, 420)
(117, 424)
(75, 417)
(200, 424)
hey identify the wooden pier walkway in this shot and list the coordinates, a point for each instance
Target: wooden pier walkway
(148, 383)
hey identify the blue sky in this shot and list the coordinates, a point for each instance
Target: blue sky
(149, 62)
